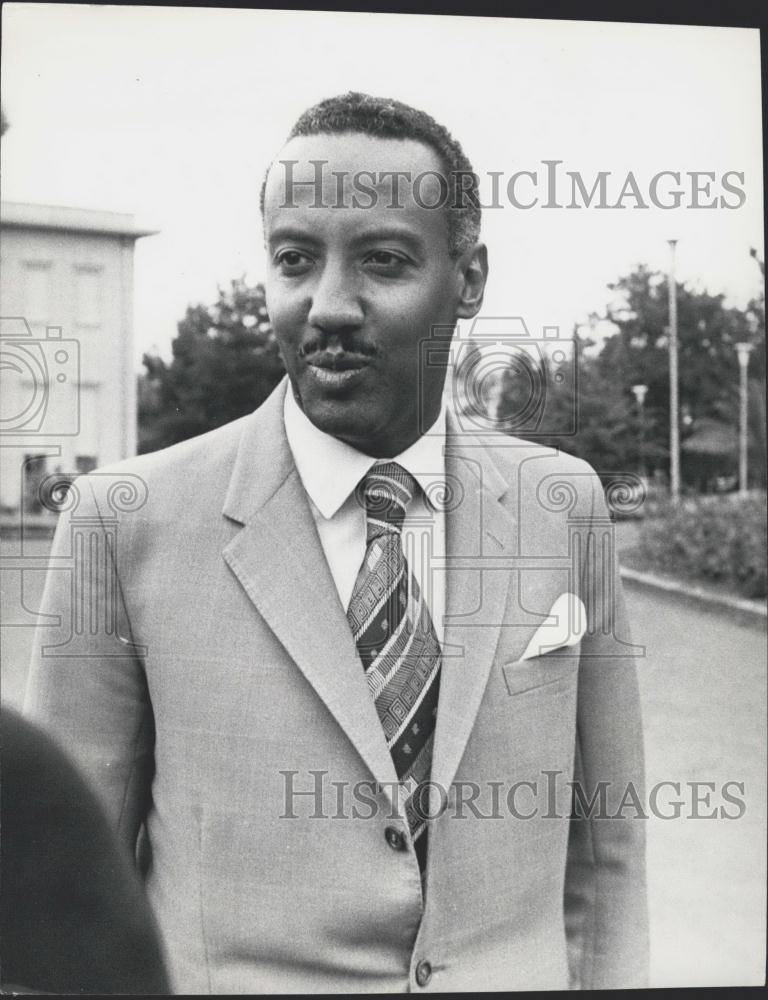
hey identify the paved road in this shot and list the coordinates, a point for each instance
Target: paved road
(703, 685)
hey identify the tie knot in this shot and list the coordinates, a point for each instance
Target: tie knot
(385, 492)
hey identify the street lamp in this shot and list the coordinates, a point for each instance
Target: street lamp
(639, 392)
(674, 427)
(743, 350)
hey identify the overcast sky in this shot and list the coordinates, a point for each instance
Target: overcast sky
(173, 114)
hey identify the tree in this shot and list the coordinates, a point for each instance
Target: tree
(610, 425)
(225, 364)
(707, 335)
(755, 313)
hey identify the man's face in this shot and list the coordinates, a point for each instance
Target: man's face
(353, 291)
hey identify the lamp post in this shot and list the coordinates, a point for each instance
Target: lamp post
(743, 351)
(639, 392)
(674, 426)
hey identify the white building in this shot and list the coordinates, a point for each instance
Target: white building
(66, 345)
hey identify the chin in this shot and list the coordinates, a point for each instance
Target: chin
(347, 421)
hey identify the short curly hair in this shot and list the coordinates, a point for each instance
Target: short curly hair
(390, 119)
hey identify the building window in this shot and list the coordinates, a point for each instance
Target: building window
(88, 286)
(36, 294)
(84, 464)
(92, 422)
(35, 470)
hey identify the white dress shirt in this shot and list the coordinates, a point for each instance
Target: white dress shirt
(331, 469)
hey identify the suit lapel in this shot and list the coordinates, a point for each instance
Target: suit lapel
(278, 558)
(481, 548)
(476, 525)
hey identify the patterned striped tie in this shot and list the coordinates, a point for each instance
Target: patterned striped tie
(397, 642)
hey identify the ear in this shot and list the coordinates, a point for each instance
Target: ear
(473, 272)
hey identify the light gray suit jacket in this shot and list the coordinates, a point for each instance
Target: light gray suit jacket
(199, 666)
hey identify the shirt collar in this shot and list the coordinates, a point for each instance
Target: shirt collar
(331, 469)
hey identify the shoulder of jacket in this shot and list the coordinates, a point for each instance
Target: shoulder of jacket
(512, 453)
(212, 448)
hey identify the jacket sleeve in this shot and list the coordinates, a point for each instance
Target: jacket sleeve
(605, 894)
(86, 684)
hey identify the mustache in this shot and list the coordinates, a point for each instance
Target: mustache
(336, 345)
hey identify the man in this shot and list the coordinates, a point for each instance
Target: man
(316, 664)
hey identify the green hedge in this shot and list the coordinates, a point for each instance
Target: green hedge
(718, 539)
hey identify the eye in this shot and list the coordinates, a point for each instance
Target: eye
(386, 260)
(292, 261)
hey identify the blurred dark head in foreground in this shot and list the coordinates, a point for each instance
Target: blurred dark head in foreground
(73, 916)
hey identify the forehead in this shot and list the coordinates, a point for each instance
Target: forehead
(323, 181)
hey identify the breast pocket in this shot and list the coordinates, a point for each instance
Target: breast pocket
(555, 671)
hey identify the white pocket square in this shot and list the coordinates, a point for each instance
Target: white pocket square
(565, 624)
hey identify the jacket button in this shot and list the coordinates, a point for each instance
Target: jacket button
(394, 838)
(423, 973)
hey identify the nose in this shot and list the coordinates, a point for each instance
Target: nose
(335, 303)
